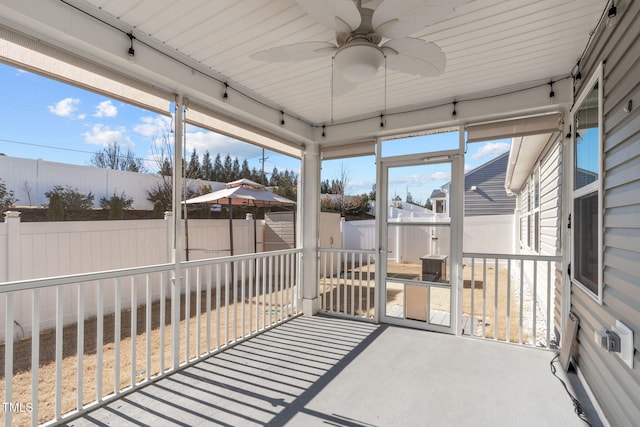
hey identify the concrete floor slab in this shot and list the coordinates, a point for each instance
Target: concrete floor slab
(319, 371)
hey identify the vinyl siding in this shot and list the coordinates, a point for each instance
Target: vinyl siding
(550, 225)
(490, 197)
(614, 384)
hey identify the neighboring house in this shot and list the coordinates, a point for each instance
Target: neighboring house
(484, 192)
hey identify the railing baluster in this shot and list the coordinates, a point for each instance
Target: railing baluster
(495, 302)
(35, 355)
(281, 287)
(148, 306)
(218, 309)
(187, 314)
(548, 304)
(198, 309)
(264, 292)
(508, 337)
(59, 336)
(251, 284)
(521, 298)
(345, 282)
(208, 308)
(99, 339)
(227, 268)
(270, 290)
(473, 294)
(79, 349)
(484, 297)
(534, 302)
(116, 339)
(369, 285)
(234, 278)
(360, 284)
(257, 292)
(133, 330)
(353, 284)
(331, 283)
(163, 307)
(8, 357)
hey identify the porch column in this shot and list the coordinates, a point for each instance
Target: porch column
(177, 247)
(310, 218)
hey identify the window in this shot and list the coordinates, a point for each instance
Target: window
(530, 215)
(586, 271)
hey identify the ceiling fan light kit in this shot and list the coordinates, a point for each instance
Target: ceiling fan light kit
(359, 62)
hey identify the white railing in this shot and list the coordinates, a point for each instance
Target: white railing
(346, 286)
(510, 297)
(115, 348)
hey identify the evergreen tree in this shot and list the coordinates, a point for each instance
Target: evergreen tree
(275, 176)
(245, 172)
(235, 170)
(218, 170)
(193, 168)
(227, 173)
(206, 168)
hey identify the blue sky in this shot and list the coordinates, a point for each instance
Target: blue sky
(41, 118)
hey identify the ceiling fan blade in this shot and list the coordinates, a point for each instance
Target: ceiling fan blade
(338, 15)
(341, 86)
(295, 52)
(400, 18)
(414, 56)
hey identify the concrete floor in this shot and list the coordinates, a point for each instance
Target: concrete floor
(326, 371)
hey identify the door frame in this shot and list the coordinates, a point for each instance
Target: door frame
(456, 213)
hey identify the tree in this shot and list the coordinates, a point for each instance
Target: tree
(218, 170)
(7, 197)
(112, 157)
(372, 193)
(227, 171)
(193, 168)
(206, 168)
(72, 198)
(245, 172)
(116, 205)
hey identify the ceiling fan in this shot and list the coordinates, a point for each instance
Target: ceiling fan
(365, 37)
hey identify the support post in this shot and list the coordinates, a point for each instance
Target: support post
(177, 247)
(310, 217)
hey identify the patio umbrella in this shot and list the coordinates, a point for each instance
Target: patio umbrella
(242, 192)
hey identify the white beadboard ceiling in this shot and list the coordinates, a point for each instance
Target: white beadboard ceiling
(492, 46)
(489, 44)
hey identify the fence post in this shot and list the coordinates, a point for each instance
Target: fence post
(251, 233)
(168, 220)
(12, 218)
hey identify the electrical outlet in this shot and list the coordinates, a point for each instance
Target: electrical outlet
(626, 342)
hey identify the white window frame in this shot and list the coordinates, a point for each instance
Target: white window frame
(596, 186)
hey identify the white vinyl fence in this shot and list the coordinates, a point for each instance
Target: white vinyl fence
(35, 250)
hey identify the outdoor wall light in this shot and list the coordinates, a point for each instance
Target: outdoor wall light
(454, 113)
(552, 93)
(611, 15)
(131, 52)
(225, 95)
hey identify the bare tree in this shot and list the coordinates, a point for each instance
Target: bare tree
(113, 157)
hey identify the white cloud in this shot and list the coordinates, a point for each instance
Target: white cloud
(490, 149)
(468, 167)
(105, 109)
(64, 107)
(104, 135)
(154, 127)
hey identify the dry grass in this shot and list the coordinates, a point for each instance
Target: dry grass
(230, 327)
